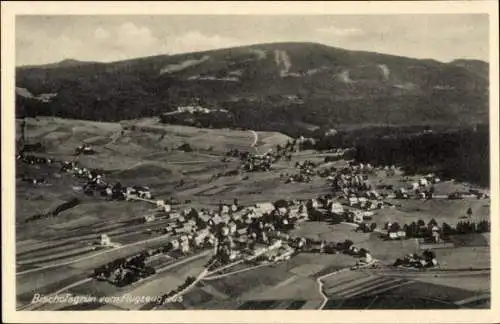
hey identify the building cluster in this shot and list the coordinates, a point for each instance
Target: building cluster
(422, 188)
(345, 247)
(195, 109)
(349, 182)
(236, 230)
(256, 163)
(32, 159)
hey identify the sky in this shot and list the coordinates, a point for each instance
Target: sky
(443, 37)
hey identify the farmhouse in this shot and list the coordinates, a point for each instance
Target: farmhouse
(203, 219)
(336, 208)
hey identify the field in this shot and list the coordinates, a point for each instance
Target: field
(53, 253)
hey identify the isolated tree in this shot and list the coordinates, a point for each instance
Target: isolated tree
(446, 229)
(469, 212)
(373, 226)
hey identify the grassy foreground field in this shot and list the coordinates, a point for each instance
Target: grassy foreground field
(52, 253)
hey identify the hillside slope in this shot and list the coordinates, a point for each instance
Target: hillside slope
(266, 86)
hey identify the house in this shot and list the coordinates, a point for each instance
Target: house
(401, 193)
(232, 227)
(142, 192)
(312, 204)
(367, 214)
(225, 219)
(282, 211)
(436, 237)
(233, 255)
(258, 251)
(237, 217)
(203, 219)
(357, 218)
(130, 192)
(414, 186)
(367, 258)
(200, 236)
(225, 231)
(241, 232)
(216, 220)
(174, 215)
(275, 244)
(353, 249)
(336, 208)
(149, 218)
(185, 247)
(183, 230)
(353, 201)
(250, 213)
(423, 182)
(374, 195)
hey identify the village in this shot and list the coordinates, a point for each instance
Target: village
(241, 235)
